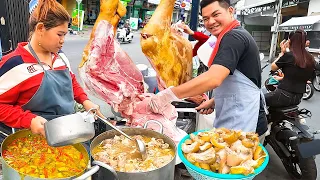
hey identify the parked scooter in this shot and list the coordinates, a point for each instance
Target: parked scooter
(316, 76)
(289, 137)
(124, 34)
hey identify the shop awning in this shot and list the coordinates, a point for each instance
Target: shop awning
(255, 3)
(307, 23)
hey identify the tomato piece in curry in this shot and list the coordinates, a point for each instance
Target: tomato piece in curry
(32, 156)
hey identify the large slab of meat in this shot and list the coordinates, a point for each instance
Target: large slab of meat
(111, 11)
(169, 53)
(109, 73)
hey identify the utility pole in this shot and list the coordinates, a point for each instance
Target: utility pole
(242, 19)
(274, 29)
(194, 16)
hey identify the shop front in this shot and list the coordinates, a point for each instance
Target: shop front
(311, 24)
(181, 10)
(140, 9)
(12, 32)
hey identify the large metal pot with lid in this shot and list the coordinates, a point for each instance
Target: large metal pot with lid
(11, 174)
(166, 172)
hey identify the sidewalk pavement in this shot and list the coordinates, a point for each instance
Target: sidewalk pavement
(84, 34)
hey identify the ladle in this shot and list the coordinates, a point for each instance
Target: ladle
(140, 144)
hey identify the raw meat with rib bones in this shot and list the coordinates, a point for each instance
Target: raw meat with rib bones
(111, 75)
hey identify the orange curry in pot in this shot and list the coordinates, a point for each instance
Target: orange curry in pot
(32, 156)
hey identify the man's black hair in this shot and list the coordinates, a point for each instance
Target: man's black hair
(223, 3)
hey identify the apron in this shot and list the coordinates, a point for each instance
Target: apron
(54, 98)
(237, 103)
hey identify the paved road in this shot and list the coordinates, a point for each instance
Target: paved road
(275, 170)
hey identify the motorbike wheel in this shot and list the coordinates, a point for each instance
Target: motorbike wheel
(297, 166)
(316, 83)
(305, 169)
(309, 92)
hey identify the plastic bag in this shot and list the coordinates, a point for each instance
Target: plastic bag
(272, 81)
(206, 121)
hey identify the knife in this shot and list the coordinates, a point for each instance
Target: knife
(185, 106)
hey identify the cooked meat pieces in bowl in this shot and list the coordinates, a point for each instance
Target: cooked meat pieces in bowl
(123, 155)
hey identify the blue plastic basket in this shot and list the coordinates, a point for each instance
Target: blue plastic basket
(201, 174)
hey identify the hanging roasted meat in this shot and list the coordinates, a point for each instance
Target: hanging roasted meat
(109, 74)
(111, 11)
(169, 53)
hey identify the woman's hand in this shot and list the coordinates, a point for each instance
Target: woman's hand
(279, 78)
(87, 104)
(37, 125)
(175, 29)
(206, 107)
(285, 45)
(185, 28)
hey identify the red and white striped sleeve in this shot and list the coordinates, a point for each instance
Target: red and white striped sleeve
(14, 74)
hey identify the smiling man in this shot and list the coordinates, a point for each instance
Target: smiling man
(234, 73)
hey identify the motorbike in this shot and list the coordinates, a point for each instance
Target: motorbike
(316, 76)
(124, 34)
(289, 137)
(294, 144)
(272, 86)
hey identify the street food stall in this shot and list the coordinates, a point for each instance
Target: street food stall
(151, 146)
(25, 155)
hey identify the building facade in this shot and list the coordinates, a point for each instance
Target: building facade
(135, 8)
(11, 32)
(314, 7)
(265, 20)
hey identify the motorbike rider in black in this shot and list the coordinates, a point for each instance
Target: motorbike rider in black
(297, 64)
(127, 27)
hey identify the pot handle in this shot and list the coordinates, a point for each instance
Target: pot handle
(104, 165)
(96, 168)
(154, 121)
(5, 134)
(89, 173)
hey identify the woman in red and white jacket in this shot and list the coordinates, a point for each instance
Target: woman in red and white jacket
(36, 82)
(199, 36)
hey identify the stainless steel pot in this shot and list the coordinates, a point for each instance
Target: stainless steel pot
(11, 174)
(164, 173)
(70, 129)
